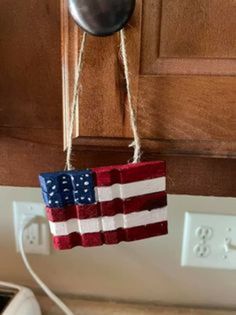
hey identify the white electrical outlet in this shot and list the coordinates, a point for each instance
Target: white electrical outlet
(209, 241)
(36, 235)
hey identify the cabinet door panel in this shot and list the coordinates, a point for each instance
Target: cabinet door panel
(188, 37)
(187, 108)
(182, 65)
(102, 105)
(199, 28)
(187, 78)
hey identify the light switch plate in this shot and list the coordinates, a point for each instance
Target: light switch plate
(209, 241)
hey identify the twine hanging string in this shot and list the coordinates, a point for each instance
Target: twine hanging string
(75, 102)
(136, 144)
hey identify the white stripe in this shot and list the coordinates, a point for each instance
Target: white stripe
(133, 189)
(109, 223)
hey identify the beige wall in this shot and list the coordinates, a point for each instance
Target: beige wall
(147, 270)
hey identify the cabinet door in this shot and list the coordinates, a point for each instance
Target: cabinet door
(30, 91)
(182, 63)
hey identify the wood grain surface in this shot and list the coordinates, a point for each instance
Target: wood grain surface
(199, 28)
(183, 80)
(183, 71)
(182, 37)
(30, 91)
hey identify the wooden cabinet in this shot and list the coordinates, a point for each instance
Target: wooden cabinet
(30, 91)
(182, 63)
(182, 60)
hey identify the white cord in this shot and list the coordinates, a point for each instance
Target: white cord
(26, 222)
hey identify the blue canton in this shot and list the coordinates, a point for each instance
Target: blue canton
(61, 189)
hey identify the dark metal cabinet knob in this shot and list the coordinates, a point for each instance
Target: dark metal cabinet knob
(101, 17)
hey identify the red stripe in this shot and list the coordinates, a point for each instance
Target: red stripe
(108, 208)
(107, 176)
(111, 237)
(72, 212)
(135, 204)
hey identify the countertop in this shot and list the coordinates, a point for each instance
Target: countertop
(91, 307)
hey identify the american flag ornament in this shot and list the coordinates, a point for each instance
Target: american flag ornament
(106, 205)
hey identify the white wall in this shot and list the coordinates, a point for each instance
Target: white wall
(147, 270)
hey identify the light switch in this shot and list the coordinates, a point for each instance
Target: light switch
(209, 241)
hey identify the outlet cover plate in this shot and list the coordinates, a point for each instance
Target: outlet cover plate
(204, 239)
(35, 209)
